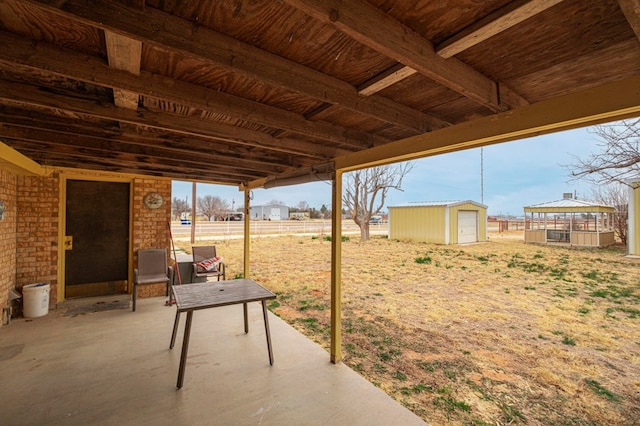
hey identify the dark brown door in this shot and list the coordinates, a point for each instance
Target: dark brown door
(97, 238)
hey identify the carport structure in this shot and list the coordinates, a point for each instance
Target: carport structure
(276, 92)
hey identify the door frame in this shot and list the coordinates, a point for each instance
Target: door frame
(62, 220)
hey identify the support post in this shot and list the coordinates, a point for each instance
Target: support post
(336, 268)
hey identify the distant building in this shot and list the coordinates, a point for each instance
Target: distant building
(440, 222)
(269, 212)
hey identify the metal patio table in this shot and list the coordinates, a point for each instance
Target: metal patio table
(196, 296)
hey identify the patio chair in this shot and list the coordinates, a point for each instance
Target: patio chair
(152, 269)
(206, 263)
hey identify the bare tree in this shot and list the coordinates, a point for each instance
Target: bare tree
(620, 156)
(211, 206)
(615, 195)
(179, 206)
(366, 191)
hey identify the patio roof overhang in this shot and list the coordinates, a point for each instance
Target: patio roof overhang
(261, 94)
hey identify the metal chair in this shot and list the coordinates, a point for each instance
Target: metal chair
(152, 269)
(202, 254)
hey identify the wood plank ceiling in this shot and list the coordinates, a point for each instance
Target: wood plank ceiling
(252, 92)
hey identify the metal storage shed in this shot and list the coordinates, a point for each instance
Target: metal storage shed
(568, 221)
(269, 212)
(443, 222)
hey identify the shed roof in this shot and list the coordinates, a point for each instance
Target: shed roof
(266, 93)
(440, 204)
(569, 205)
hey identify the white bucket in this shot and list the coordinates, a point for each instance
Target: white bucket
(35, 299)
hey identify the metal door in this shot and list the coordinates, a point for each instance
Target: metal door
(467, 226)
(96, 251)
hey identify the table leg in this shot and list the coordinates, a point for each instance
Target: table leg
(185, 348)
(266, 329)
(175, 329)
(246, 318)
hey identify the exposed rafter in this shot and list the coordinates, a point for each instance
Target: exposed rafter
(500, 20)
(197, 158)
(631, 10)
(69, 64)
(274, 88)
(210, 46)
(124, 54)
(363, 22)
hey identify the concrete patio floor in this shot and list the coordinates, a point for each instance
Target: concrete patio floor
(115, 368)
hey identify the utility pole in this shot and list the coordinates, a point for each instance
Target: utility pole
(481, 175)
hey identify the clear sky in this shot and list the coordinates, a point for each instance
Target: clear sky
(515, 174)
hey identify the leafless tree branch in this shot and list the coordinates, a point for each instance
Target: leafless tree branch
(366, 191)
(619, 159)
(615, 195)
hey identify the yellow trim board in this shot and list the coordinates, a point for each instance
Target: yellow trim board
(610, 102)
(14, 162)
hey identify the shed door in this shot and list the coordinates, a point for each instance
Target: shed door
(275, 213)
(467, 226)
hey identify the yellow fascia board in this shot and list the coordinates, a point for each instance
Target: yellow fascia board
(614, 101)
(14, 162)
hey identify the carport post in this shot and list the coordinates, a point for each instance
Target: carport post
(336, 270)
(247, 232)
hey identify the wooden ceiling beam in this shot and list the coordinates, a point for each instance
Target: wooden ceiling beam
(210, 46)
(118, 166)
(388, 78)
(28, 96)
(45, 58)
(124, 53)
(363, 21)
(502, 19)
(64, 157)
(631, 10)
(205, 157)
(229, 135)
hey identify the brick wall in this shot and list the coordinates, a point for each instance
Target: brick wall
(7, 238)
(150, 225)
(37, 232)
(29, 230)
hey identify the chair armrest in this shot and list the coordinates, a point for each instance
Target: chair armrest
(135, 276)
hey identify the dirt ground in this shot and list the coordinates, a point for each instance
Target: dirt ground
(492, 333)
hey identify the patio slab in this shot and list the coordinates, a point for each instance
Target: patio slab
(115, 367)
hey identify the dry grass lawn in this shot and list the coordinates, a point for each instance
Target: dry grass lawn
(492, 333)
